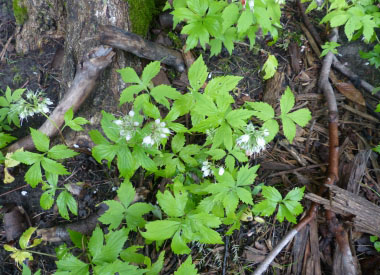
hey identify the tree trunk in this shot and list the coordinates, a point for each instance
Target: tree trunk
(77, 22)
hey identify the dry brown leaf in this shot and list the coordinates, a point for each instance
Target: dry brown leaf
(349, 91)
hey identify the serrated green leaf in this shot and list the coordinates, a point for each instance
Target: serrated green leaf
(25, 237)
(230, 162)
(134, 214)
(273, 128)
(265, 207)
(178, 245)
(244, 195)
(97, 137)
(238, 118)
(287, 101)
(114, 214)
(104, 151)
(53, 167)
(108, 126)
(72, 265)
(284, 212)
(66, 201)
(33, 176)
(68, 115)
(27, 157)
(245, 21)
(301, 116)
(160, 230)
(40, 140)
(129, 75)
(187, 268)
(173, 206)
(95, 243)
(47, 200)
(126, 193)
(270, 67)
(61, 152)
(294, 207)
(125, 162)
(261, 110)
(150, 71)
(216, 154)
(246, 176)
(271, 193)
(289, 128)
(128, 93)
(157, 266)
(221, 85)
(161, 92)
(295, 194)
(178, 142)
(198, 73)
(78, 239)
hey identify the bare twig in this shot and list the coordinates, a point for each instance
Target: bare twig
(83, 84)
(133, 43)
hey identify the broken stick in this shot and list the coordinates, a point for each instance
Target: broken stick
(133, 43)
(83, 84)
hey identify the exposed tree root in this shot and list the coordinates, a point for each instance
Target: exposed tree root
(83, 84)
(133, 43)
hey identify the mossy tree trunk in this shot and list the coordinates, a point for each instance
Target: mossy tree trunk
(77, 23)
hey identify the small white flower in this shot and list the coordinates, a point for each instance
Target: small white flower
(260, 141)
(166, 131)
(24, 193)
(131, 113)
(128, 137)
(136, 123)
(118, 122)
(221, 171)
(266, 132)
(157, 121)
(162, 124)
(251, 4)
(244, 138)
(76, 146)
(148, 140)
(163, 136)
(45, 109)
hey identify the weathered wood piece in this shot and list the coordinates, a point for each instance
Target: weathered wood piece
(366, 215)
(133, 43)
(84, 82)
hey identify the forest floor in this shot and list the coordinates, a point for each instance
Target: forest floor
(302, 163)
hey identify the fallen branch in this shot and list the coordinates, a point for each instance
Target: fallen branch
(133, 43)
(83, 84)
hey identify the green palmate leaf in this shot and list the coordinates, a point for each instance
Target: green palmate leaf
(270, 67)
(150, 71)
(198, 6)
(160, 230)
(197, 32)
(230, 162)
(95, 243)
(27, 157)
(244, 195)
(283, 212)
(134, 215)
(126, 193)
(246, 176)
(329, 47)
(178, 245)
(66, 201)
(173, 206)
(178, 142)
(287, 101)
(47, 199)
(221, 85)
(114, 214)
(72, 265)
(34, 176)
(301, 117)
(97, 137)
(105, 151)
(198, 74)
(53, 167)
(245, 21)
(5, 139)
(125, 161)
(128, 93)
(61, 152)
(78, 239)
(216, 154)
(295, 194)
(161, 92)
(69, 115)
(238, 118)
(230, 16)
(187, 268)
(271, 193)
(129, 75)
(261, 110)
(265, 207)
(40, 140)
(289, 128)
(108, 126)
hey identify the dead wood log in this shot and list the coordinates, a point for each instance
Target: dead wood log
(84, 82)
(60, 233)
(133, 43)
(364, 215)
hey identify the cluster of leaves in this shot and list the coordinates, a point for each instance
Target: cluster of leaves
(222, 23)
(376, 243)
(358, 17)
(194, 204)
(372, 56)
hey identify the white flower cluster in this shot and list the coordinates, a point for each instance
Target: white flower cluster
(253, 140)
(35, 103)
(159, 132)
(207, 171)
(127, 125)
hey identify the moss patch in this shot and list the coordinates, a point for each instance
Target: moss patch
(20, 11)
(141, 13)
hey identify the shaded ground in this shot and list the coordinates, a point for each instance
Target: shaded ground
(285, 166)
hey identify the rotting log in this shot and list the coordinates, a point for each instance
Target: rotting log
(84, 82)
(133, 43)
(364, 215)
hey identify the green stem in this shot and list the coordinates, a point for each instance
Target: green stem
(56, 126)
(42, 254)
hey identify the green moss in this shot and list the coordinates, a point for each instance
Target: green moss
(20, 11)
(141, 13)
